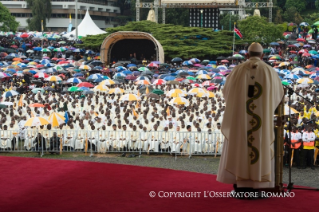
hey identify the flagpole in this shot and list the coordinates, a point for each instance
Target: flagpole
(234, 39)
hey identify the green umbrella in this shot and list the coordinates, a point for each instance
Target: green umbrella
(143, 69)
(310, 31)
(285, 83)
(45, 50)
(77, 70)
(74, 89)
(316, 24)
(266, 50)
(3, 106)
(313, 52)
(35, 90)
(158, 91)
(191, 78)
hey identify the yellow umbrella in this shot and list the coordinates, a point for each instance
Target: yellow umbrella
(176, 93)
(15, 63)
(284, 64)
(116, 90)
(56, 119)
(130, 97)
(35, 122)
(53, 79)
(305, 80)
(142, 82)
(203, 76)
(101, 88)
(107, 82)
(197, 91)
(179, 101)
(292, 110)
(206, 94)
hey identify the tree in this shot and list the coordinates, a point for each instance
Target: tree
(300, 5)
(317, 4)
(292, 15)
(227, 20)
(259, 29)
(41, 10)
(278, 17)
(7, 21)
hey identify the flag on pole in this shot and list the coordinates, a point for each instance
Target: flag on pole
(134, 113)
(20, 103)
(42, 25)
(137, 105)
(237, 32)
(66, 116)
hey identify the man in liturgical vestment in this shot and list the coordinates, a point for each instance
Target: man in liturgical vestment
(252, 93)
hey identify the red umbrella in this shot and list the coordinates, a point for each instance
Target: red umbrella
(306, 54)
(294, 52)
(61, 75)
(63, 62)
(14, 46)
(179, 79)
(43, 75)
(85, 84)
(130, 77)
(40, 66)
(224, 61)
(292, 46)
(303, 51)
(24, 35)
(54, 58)
(301, 40)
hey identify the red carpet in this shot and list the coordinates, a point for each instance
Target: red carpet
(28, 184)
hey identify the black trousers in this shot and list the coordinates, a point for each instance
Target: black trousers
(308, 157)
(297, 156)
(55, 145)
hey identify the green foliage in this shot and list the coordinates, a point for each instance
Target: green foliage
(284, 26)
(299, 4)
(41, 10)
(8, 22)
(227, 20)
(278, 17)
(259, 29)
(292, 15)
(177, 41)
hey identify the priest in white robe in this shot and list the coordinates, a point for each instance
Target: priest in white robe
(252, 92)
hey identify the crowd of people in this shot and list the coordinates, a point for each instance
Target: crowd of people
(178, 107)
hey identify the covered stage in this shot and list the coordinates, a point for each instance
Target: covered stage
(34, 184)
(124, 45)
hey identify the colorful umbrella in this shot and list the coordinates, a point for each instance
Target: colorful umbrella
(35, 122)
(130, 97)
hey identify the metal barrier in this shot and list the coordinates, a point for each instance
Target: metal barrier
(102, 141)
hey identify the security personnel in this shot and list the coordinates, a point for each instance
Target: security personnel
(308, 139)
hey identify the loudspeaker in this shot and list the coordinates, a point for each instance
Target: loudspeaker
(210, 17)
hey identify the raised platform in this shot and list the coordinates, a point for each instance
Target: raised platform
(31, 184)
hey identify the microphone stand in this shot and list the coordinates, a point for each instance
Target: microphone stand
(290, 185)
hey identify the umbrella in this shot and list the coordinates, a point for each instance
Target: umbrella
(176, 60)
(53, 79)
(159, 82)
(142, 82)
(41, 75)
(36, 105)
(196, 91)
(179, 101)
(304, 81)
(152, 95)
(10, 93)
(116, 91)
(74, 80)
(36, 90)
(73, 89)
(107, 82)
(56, 119)
(176, 93)
(158, 91)
(130, 97)
(36, 121)
(85, 84)
(101, 88)
(143, 69)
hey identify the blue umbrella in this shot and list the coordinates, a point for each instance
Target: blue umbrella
(11, 70)
(95, 76)
(120, 68)
(288, 81)
(212, 62)
(50, 70)
(191, 73)
(37, 48)
(13, 55)
(173, 74)
(169, 78)
(180, 71)
(201, 72)
(291, 76)
(131, 65)
(84, 89)
(243, 52)
(97, 68)
(89, 52)
(74, 80)
(78, 75)
(78, 50)
(49, 65)
(32, 72)
(303, 24)
(136, 73)
(274, 44)
(10, 93)
(127, 72)
(187, 63)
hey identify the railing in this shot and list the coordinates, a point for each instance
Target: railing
(102, 141)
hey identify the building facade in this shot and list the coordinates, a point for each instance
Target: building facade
(103, 13)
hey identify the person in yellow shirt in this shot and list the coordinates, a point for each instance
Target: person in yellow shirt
(307, 113)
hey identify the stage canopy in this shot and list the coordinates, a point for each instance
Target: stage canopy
(112, 39)
(86, 27)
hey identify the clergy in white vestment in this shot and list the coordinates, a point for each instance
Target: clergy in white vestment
(252, 92)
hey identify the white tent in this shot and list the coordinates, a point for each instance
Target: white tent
(86, 27)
